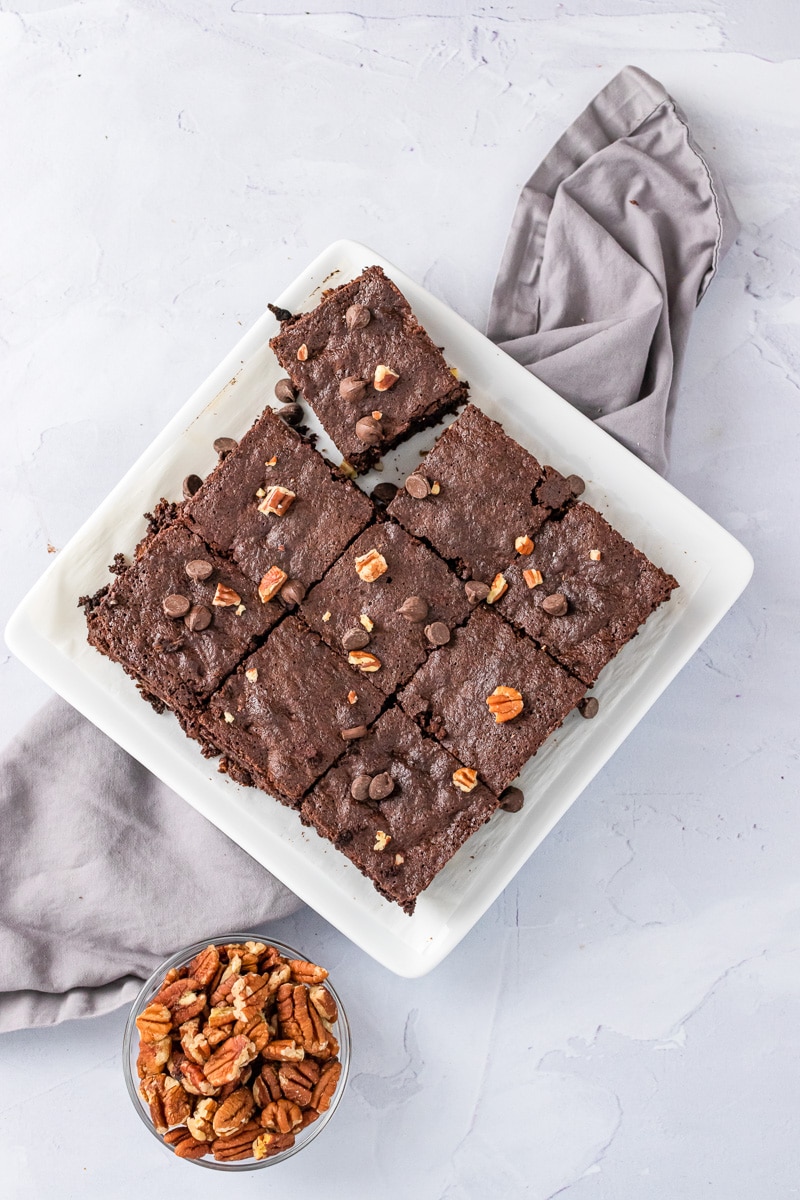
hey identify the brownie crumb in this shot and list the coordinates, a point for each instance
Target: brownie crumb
(119, 564)
(90, 603)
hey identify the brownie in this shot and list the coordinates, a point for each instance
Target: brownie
(425, 816)
(179, 658)
(448, 697)
(289, 704)
(487, 496)
(324, 515)
(380, 332)
(609, 588)
(414, 580)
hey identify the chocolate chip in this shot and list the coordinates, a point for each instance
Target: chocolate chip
(176, 606)
(357, 316)
(417, 486)
(438, 634)
(284, 391)
(381, 787)
(355, 639)
(359, 788)
(384, 493)
(369, 430)
(352, 388)
(589, 707)
(356, 731)
(414, 609)
(199, 569)
(282, 314)
(576, 485)
(191, 485)
(512, 799)
(555, 605)
(293, 592)
(292, 414)
(476, 591)
(197, 618)
(224, 445)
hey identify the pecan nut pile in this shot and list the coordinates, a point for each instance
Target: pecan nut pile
(237, 1052)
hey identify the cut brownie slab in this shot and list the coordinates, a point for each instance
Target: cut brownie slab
(367, 368)
(283, 716)
(180, 618)
(393, 805)
(388, 597)
(273, 502)
(487, 660)
(487, 496)
(584, 591)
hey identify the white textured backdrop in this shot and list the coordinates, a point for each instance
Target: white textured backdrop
(625, 1022)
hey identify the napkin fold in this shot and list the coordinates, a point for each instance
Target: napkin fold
(614, 241)
(104, 870)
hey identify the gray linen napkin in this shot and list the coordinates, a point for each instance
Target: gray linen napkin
(614, 242)
(104, 870)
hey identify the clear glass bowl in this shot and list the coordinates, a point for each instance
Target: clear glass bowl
(130, 1050)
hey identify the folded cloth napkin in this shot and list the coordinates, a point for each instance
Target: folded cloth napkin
(104, 870)
(614, 241)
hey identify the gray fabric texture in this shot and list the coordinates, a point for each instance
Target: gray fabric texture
(615, 239)
(104, 870)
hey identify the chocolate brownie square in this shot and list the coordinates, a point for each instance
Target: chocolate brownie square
(367, 368)
(273, 502)
(491, 697)
(584, 591)
(388, 597)
(180, 618)
(475, 494)
(283, 715)
(392, 804)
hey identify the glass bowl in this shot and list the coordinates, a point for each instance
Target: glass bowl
(130, 1049)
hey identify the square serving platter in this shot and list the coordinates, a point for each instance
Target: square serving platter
(48, 632)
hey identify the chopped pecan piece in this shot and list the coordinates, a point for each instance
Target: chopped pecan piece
(271, 584)
(384, 378)
(371, 566)
(465, 779)
(499, 588)
(364, 660)
(277, 501)
(532, 577)
(225, 597)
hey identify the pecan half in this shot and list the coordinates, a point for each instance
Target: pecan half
(153, 1057)
(267, 1086)
(297, 1081)
(203, 966)
(237, 1145)
(229, 1060)
(282, 1116)
(268, 1144)
(249, 994)
(200, 1123)
(184, 998)
(324, 1003)
(256, 1029)
(176, 1102)
(151, 1089)
(234, 1112)
(326, 1085)
(283, 1050)
(194, 1042)
(505, 703)
(306, 972)
(184, 1144)
(154, 1023)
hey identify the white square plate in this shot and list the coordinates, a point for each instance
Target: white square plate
(48, 633)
